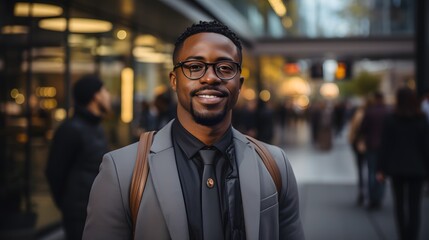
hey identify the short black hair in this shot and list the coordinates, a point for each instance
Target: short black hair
(407, 103)
(85, 89)
(201, 27)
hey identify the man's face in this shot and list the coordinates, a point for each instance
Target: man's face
(102, 99)
(208, 100)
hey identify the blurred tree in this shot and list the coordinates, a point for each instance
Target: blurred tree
(361, 85)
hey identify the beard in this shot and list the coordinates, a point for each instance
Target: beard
(103, 109)
(208, 119)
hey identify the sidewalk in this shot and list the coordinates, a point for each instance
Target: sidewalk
(327, 186)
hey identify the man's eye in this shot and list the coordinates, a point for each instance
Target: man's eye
(225, 68)
(195, 67)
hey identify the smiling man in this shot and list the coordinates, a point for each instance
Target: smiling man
(206, 180)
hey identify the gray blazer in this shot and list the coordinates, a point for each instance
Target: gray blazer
(162, 213)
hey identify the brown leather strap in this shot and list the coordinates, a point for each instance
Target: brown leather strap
(140, 173)
(269, 162)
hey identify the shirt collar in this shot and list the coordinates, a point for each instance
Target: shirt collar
(191, 145)
(87, 115)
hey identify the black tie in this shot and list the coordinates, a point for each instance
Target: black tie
(212, 223)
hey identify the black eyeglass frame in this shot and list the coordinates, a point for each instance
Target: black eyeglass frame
(206, 66)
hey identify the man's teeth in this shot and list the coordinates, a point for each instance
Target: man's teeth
(208, 96)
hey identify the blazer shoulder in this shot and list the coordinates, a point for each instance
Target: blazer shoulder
(123, 158)
(276, 151)
(126, 148)
(124, 153)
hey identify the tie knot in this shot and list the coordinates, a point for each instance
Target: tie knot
(208, 156)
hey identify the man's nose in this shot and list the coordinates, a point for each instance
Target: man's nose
(210, 76)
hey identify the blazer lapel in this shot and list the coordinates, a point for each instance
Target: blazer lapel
(167, 186)
(248, 171)
(162, 165)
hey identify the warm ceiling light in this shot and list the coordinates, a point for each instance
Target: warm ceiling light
(76, 25)
(127, 93)
(104, 51)
(14, 29)
(142, 51)
(76, 39)
(121, 34)
(278, 7)
(294, 86)
(287, 22)
(146, 40)
(249, 94)
(153, 57)
(329, 90)
(22, 9)
(265, 95)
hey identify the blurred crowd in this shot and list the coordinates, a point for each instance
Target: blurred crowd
(392, 142)
(153, 115)
(388, 141)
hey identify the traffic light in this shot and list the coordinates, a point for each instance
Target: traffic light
(343, 71)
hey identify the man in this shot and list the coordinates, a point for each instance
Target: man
(371, 130)
(76, 153)
(206, 78)
(358, 147)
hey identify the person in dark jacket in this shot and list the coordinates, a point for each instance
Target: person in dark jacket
(358, 147)
(370, 129)
(404, 157)
(76, 153)
(265, 120)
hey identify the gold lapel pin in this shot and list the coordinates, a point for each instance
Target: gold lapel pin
(210, 183)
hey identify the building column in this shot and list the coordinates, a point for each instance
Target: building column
(421, 32)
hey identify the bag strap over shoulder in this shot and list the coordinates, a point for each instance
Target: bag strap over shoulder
(268, 161)
(141, 170)
(140, 173)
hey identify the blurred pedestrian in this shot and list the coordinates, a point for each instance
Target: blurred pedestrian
(147, 120)
(339, 117)
(237, 115)
(281, 116)
(357, 143)
(370, 129)
(404, 157)
(265, 122)
(165, 109)
(76, 153)
(315, 114)
(425, 110)
(425, 105)
(249, 117)
(325, 128)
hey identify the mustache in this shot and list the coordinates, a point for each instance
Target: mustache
(215, 88)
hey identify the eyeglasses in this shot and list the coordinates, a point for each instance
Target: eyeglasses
(194, 69)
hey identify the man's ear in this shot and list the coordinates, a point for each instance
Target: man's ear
(173, 80)
(241, 81)
(96, 97)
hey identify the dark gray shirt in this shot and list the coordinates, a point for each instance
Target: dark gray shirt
(190, 169)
